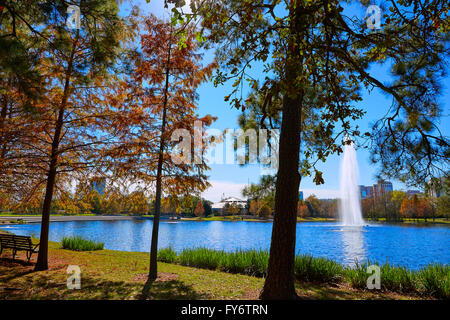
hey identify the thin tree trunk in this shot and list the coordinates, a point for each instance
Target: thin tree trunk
(3, 114)
(153, 272)
(42, 260)
(279, 283)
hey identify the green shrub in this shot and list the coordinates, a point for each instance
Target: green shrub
(251, 262)
(202, 258)
(432, 280)
(77, 243)
(398, 279)
(357, 276)
(167, 255)
(308, 268)
(435, 280)
(392, 278)
(19, 221)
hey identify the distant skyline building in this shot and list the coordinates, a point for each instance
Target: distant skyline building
(366, 191)
(377, 190)
(412, 192)
(382, 187)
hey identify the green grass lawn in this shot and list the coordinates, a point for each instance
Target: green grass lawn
(222, 218)
(312, 219)
(239, 218)
(416, 221)
(107, 274)
(431, 221)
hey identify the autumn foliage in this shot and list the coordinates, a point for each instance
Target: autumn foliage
(199, 210)
(398, 206)
(416, 207)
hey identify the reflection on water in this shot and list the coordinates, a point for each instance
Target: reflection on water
(353, 245)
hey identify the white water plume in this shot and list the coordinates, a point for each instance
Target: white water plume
(350, 205)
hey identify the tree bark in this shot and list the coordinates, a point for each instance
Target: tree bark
(153, 271)
(3, 140)
(42, 260)
(279, 283)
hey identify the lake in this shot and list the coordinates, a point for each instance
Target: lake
(412, 246)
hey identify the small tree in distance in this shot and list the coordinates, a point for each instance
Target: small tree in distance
(264, 211)
(199, 209)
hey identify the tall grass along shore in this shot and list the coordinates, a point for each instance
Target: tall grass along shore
(79, 244)
(432, 280)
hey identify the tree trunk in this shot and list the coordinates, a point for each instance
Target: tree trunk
(3, 139)
(279, 283)
(42, 260)
(153, 271)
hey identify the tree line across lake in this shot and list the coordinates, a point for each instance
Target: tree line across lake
(390, 206)
(110, 201)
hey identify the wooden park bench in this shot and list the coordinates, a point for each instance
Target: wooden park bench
(18, 243)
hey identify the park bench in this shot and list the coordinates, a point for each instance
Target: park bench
(18, 243)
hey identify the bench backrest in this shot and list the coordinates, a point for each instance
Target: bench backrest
(17, 241)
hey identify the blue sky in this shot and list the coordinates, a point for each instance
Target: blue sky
(229, 179)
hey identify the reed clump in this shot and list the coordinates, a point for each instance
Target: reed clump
(77, 243)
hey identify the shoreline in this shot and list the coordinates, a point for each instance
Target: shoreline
(237, 250)
(26, 219)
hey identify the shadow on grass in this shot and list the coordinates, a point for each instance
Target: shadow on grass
(169, 290)
(16, 269)
(4, 260)
(314, 291)
(19, 281)
(308, 291)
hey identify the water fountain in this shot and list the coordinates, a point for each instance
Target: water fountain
(350, 206)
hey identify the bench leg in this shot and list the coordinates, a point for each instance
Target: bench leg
(28, 255)
(14, 254)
